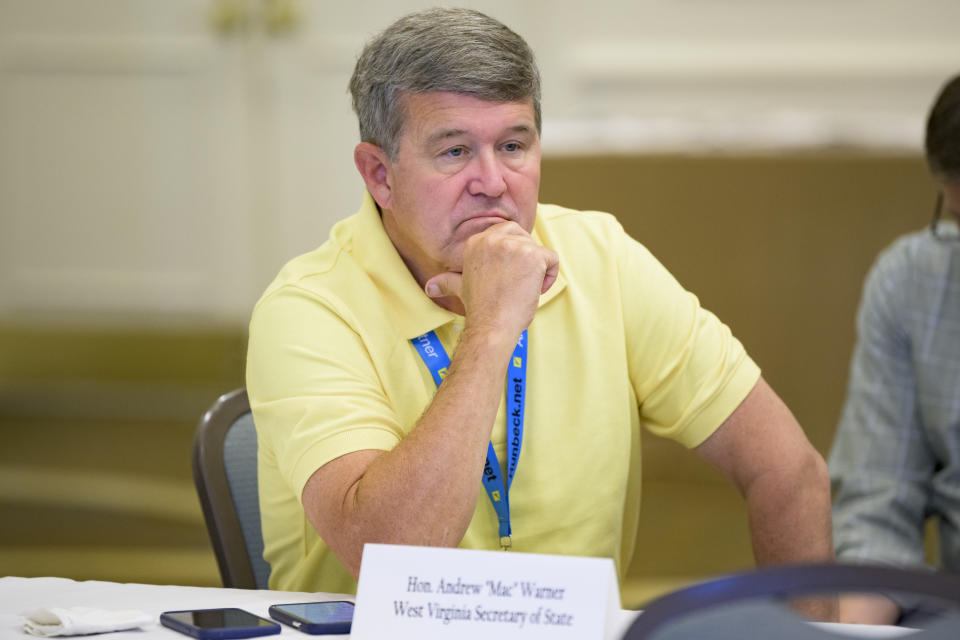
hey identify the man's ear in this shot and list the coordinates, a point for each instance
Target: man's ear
(373, 164)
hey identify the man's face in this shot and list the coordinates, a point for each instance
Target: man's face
(464, 164)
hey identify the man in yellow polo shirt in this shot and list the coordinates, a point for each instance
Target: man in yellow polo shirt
(459, 365)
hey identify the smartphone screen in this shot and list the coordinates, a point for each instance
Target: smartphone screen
(316, 617)
(219, 623)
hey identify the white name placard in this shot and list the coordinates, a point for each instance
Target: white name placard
(429, 592)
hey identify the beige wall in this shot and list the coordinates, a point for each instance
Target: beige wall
(777, 246)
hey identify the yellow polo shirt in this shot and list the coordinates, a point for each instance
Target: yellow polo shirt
(616, 343)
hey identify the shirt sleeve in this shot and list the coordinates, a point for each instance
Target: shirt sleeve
(313, 386)
(688, 370)
(881, 465)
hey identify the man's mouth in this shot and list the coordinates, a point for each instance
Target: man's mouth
(488, 217)
(479, 223)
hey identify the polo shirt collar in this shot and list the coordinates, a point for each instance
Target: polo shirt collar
(414, 313)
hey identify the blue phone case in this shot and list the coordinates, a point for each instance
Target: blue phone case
(307, 625)
(263, 628)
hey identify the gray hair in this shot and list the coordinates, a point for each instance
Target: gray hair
(451, 50)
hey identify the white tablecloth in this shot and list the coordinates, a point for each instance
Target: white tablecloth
(18, 595)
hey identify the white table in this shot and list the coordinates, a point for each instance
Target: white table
(18, 595)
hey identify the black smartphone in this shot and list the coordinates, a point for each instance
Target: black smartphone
(217, 624)
(316, 617)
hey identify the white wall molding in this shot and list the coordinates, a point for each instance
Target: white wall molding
(724, 60)
(107, 54)
(727, 95)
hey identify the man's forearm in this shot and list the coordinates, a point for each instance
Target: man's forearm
(790, 524)
(766, 455)
(789, 513)
(424, 491)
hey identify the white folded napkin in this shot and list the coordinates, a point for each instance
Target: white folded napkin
(74, 621)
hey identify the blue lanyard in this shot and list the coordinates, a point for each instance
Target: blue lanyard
(438, 362)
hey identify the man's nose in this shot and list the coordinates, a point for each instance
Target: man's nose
(487, 178)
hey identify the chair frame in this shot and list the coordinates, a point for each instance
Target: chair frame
(790, 581)
(210, 477)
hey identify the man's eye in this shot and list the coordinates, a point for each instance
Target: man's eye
(456, 152)
(511, 147)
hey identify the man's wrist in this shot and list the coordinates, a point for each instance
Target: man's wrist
(488, 340)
